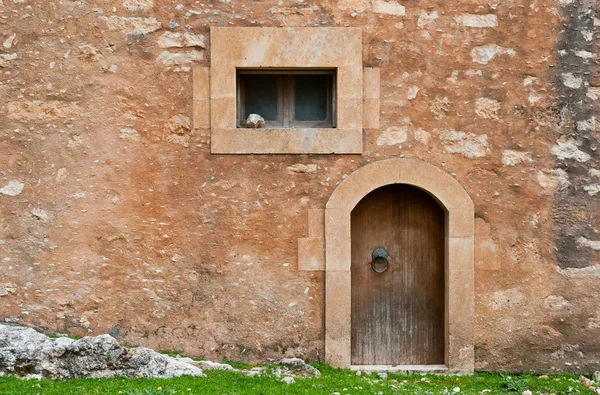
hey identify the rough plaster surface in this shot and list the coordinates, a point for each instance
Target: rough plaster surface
(111, 220)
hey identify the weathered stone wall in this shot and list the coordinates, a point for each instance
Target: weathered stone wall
(115, 217)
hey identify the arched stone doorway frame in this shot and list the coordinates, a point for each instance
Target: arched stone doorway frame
(459, 234)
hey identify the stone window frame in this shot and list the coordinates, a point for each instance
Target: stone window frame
(338, 48)
(459, 258)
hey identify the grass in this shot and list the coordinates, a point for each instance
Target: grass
(331, 381)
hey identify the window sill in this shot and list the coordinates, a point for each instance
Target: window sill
(286, 141)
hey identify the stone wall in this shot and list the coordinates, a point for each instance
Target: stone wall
(115, 217)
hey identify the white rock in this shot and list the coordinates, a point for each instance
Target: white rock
(589, 125)
(388, 7)
(584, 54)
(288, 380)
(13, 188)
(299, 367)
(209, 365)
(472, 20)
(412, 92)
(592, 189)
(570, 81)
(9, 41)
(254, 121)
(179, 58)
(179, 40)
(95, 357)
(132, 25)
(584, 242)
(426, 19)
(392, 136)
(593, 92)
(483, 54)
(512, 158)
(382, 375)
(467, 144)
(568, 150)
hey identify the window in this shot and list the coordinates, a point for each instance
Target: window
(306, 81)
(286, 98)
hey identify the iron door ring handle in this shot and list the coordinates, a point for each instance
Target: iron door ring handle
(379, 260)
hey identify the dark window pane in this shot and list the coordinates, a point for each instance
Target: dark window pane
(310, 97)
(261, 95)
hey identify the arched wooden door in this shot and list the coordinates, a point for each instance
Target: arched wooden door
(397, 314)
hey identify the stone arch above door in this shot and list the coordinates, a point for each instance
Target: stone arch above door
(459, 233)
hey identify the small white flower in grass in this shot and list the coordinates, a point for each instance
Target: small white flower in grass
(456, 390)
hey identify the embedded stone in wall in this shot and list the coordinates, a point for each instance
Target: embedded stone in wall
(138, 5)
(61, 174)
(568, 150)
(553, 180)
(592, 189)
(131, 25)
(392, 136)
(130, 134)
(593, 93)
(471, 20)
(439, 107)
(426, 19)
(584, 242)
(37, 109)
(512, 158)
(8, 43)
(589, 125)
(422, 136)
(180, 127)
(179, 124)
(388, 7)
(509, 299)
(354, 5)
(557, 303)
(5, 59)
(570, 81)
(7, 288)
(487, 108)
(13, 188)
(88, 51)
(179, 40)
(179, 58)
(467, 144)
(302, 168)
(483, 54)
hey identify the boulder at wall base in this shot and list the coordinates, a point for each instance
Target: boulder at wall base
(27, 353)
